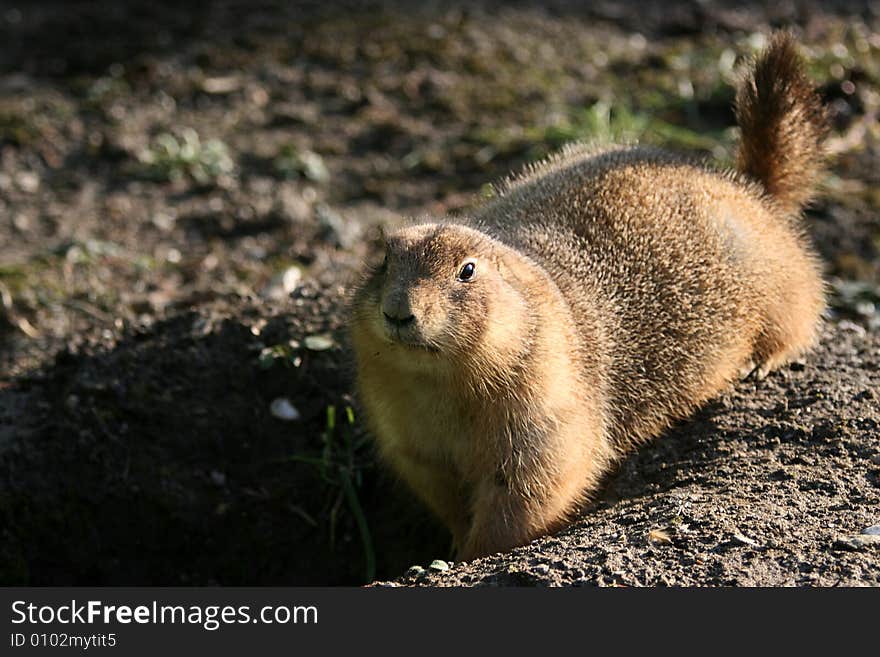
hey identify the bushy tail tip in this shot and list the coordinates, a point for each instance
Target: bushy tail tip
(783, 124)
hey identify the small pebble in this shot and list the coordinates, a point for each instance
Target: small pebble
(27, 181)
(282, 284)
(542, 569)
(745, 540)
(221, 85)
(318, 342)
(202, 326)
(313, 167)
(415, 571)
(852, 327)
(218, 478)
(282, 409)
(439, 565)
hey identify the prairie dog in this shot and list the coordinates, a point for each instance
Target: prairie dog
(507, 360)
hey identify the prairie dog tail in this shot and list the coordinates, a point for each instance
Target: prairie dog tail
(782, 122)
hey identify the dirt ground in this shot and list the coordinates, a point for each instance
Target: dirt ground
(188, 192)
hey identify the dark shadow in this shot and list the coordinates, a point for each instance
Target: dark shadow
(64, 38)
(159, 463)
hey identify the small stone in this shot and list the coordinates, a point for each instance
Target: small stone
(164, 221)
(852, 327)
(202, 326)
(439, 565)
(745, 540)
(313, 167)
(873, 530)
(282, 409)
(221, 85)
(21, 222)
(218, 478)
(27, 181)
(282, 284)
(415, 571)
(321, 342)
(542, 569)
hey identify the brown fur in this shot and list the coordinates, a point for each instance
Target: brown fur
(615, 291)
(783, 123)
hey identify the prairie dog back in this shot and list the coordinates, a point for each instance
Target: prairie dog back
(691, 272)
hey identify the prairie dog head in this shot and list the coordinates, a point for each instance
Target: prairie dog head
(441, 291)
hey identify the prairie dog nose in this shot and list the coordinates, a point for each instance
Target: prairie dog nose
(397, 311)
(399, 321)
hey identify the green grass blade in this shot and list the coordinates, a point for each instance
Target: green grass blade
(360, 518)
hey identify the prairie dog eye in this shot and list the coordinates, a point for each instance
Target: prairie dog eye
(467, 271)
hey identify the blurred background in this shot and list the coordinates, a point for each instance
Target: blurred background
(187, 190)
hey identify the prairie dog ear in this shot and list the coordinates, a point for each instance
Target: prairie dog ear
(383, 242)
